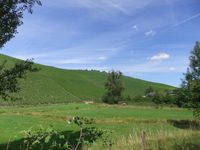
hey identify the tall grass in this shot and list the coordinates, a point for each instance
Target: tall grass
(157, 140)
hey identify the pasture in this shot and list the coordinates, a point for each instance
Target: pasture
(166, 125)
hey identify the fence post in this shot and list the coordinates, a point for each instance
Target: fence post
(143, 145)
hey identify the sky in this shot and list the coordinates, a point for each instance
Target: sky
(146, 39)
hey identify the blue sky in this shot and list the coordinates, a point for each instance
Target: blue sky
(146, 39)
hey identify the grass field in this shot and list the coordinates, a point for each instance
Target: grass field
(166, 128)
(53, 85)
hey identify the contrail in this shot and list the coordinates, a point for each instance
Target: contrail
(186, 20)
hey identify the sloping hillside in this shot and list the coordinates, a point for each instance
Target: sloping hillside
(53, 85)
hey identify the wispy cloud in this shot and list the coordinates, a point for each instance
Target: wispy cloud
(104, 6)
(135, 28)
(172, 69)
(106, 34)
(81, 61)
(72, 55)
(147, 67)
(160, 56)
(74, 61)
(150, 33)
(187, 20)
(102, 58)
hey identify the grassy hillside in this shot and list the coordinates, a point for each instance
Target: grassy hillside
(53, 85)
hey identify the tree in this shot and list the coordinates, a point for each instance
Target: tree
(181, 97)
(149, 91)
(9, 78)
(114, 88)
(157, 98)
(11, 13)
(191, 83)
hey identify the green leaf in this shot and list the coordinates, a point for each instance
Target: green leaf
(47, 139)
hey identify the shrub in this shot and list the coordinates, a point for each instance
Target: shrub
(48, 138)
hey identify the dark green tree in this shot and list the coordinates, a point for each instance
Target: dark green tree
(183, 97)
(191, 83)
(11, 14)
(157, 98)
(9, 78)
(149, 91)
(114, 88)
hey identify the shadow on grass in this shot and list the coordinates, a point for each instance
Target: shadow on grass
(185, 124)
(18, 144)
(186, 146)
(191, 143)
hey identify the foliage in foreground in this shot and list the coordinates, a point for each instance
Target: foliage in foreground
(9, 77)
(11, 13)
(53, 140)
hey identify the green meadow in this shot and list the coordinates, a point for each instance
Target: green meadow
(165, 128)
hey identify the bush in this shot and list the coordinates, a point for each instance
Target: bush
(44, 139)
(48, 138)
(111, 99)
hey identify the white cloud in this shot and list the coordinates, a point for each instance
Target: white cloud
(81, 60)
(187, 19)
(172, 68)
(135, 28)
(102, 58)
(160, 56)
(148, 67)
(104, 6)
(73, 61)
(30, 56)
(150, 33)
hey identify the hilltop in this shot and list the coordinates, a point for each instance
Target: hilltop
(54, 85)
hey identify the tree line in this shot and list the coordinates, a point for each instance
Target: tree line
(188, 95)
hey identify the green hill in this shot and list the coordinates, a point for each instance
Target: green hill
(53, 85)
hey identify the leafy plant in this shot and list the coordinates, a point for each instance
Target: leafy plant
(44, 139)
(89, 134)
(48, 138)
(9, 77)
(11, 13)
